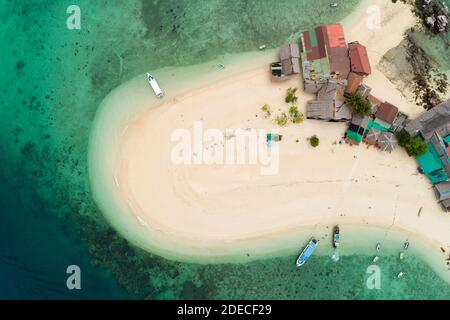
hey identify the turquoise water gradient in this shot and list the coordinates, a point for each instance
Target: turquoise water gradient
(53, 81)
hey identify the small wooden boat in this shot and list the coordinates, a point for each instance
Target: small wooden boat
(406, 245)
(419, 212)
(336, 237)
(375, 259)
(378, 247)
(307, 252)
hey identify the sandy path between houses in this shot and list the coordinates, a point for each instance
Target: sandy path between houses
(203, 208)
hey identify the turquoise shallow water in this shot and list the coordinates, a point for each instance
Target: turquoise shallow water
(55, 80)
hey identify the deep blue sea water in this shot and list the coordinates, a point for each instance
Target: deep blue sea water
(54, 80)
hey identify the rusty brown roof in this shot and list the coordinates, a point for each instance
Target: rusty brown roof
(359, 59)
(387, 112)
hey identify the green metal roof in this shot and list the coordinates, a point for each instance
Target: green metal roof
(354, 136)
(447, 139)
(432, 165)
(313, 37)
(375, 125)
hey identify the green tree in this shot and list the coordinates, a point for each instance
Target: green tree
(266, 109)
(293, 111)
(404, 138)
(358, 104)
(296, 116)
(314, 141)
(291, 97)
(282, 119)
(416, 147)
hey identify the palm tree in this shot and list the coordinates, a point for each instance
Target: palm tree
(358, 104)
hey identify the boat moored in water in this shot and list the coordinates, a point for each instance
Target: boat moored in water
(307, 252)
(406, 245)
(336, 237)
(155, 86)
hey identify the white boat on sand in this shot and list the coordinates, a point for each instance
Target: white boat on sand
(155, 86)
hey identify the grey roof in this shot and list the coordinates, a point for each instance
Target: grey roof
(342, 112)
(330, 103)
(290, 58)
(332, 90)
(364, 89)
(288, 51)
(387, 141)
(442, 190)
(359, 120)
(446, 204)
(436, 119)
(312, 86)
(320, 109)
(290, 66)
(399, 122)
(439, 145)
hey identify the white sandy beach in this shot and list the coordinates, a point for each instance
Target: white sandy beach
(209, 213)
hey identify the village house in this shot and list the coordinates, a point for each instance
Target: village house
(330, 103)
(434, 120)
(386, 114)
(442, 191)
(332, 69)
(434, 128)
(372, 136)
(364, 90)
(359, 60)
(354, 82)
(387, 141)
(324, 56)
(357, 129)
(289, 63)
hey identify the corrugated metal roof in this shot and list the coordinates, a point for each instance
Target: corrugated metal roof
(334, 35)
(359, 59)
(435, 119)
(387, 112)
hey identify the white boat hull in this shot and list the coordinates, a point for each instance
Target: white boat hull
(155, 86)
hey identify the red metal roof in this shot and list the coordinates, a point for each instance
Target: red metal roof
(334, 35)
(359, 59)
(331, 43)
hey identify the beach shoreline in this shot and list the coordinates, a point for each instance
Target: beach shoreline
(162, 208)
